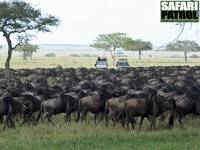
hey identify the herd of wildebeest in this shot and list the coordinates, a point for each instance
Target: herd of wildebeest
(125, 97)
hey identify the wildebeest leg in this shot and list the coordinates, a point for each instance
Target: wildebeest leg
(123, 122)
(6, 124)
(78, 116)
(128, 120)
(84, 116)
(171, 120)
(162, 117)
(141, 121)
(131, 121)
(12, 122)
(1, 119)
(44, 116)
(132, 124)
(180, 116)
(39, 117)
(74, 115)
(153, 123)
(68, 117)
(101, 116)
(106, 120)
(24, 121)
(127, 125)
(114, 122)
(34, 120)
(95, 118)
(29, 118)
(49, 119)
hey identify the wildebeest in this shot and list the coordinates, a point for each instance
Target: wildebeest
(113, 108)
(139, 91)
(186, 104)
(53, 106)
(33, 104)
(9, 107)
(95, 102)
(150, 108)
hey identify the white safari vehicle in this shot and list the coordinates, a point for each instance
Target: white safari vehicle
(122, 62)
(101, 63)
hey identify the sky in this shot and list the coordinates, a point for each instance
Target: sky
(83, 20)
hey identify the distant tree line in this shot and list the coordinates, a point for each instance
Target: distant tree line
(111, 42)
(185, 46)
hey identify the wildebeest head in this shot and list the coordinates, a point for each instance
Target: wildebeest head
(106, 90)
(14, 91)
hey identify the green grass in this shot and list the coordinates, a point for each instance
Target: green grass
(90, 137)
(68, 61)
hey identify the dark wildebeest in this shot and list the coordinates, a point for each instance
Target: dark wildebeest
(186, 104)
(95, 102)
(149, 108)
(112, 108)
(53, 106)
(72, 102)
(33, 104)
(9, 107)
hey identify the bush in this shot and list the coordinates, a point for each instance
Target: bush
(194, 56)
(50, 55)
(94, 55)
(59, 66)
(74, 55)
(86, 55)
(175, 56)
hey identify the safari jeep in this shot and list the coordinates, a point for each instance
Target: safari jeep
(122, 63)
(101, 63)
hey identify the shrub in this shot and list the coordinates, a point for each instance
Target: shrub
(194, 56)
(59, 66)
(74, 55)
(175, 56)
(50, 55)
(86, 55)
(94, 55)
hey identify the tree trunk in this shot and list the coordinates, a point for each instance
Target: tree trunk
(113, 56)
(24, 55)
(139, 55)
(7, 63)
(185, 53)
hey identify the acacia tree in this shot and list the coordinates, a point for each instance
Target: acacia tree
(138, 45)
(109, 42)
(184, 46)
(18, 19)
(27, 50)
